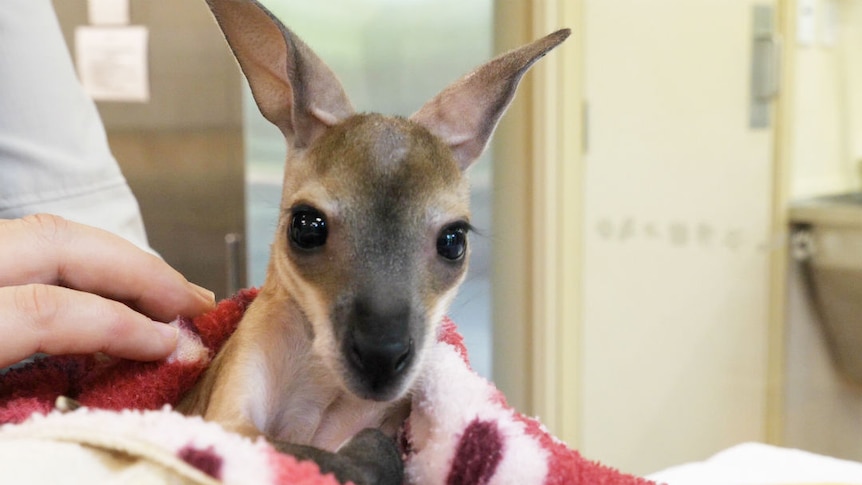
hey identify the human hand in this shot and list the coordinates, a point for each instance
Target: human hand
(67, 288)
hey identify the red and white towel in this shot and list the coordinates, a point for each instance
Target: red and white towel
(460, 430)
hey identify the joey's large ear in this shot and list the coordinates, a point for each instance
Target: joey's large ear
(465, 114)
(293, 88)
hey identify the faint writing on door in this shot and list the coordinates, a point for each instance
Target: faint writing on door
(680, 233)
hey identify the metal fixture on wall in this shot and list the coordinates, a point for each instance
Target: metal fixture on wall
(827, 242)
(765, 65)
(235, 268)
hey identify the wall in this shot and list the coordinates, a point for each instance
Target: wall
(821, 152)
(852, 55)
(823, 412)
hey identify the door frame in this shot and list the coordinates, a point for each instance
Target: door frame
(786, 11)
(539, 221)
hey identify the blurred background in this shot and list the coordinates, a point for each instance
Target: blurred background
(669, 257)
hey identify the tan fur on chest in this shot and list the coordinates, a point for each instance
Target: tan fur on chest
(268, 380)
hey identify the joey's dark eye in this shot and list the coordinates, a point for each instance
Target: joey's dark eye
(307, 228)
(452, 241)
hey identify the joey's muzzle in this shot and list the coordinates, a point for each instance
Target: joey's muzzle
(378, 348)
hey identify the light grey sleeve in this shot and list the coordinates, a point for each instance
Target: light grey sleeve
(54, 154)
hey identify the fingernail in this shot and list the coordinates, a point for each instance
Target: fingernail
(169, 333)
(204, 293)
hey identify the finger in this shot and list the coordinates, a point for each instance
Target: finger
(50, 250)
(55, 320)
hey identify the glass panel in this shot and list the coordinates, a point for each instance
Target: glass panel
(391, 57)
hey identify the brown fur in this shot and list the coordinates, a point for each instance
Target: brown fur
(299, 367)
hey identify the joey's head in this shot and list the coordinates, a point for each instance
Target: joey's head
(372, 235)
(373, 241)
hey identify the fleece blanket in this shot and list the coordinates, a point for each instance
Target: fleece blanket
(460, 429)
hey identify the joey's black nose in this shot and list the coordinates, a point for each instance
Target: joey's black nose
(378, 344)
(379, 361)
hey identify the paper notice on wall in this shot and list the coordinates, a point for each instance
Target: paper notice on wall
(108, 12)
(112, 62)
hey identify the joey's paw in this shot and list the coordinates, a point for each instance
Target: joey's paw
(376, 455)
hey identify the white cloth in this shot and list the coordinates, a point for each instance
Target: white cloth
(760, 464)
(54, 154)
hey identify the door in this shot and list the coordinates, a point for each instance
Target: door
(391, 57)
(677, 238)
